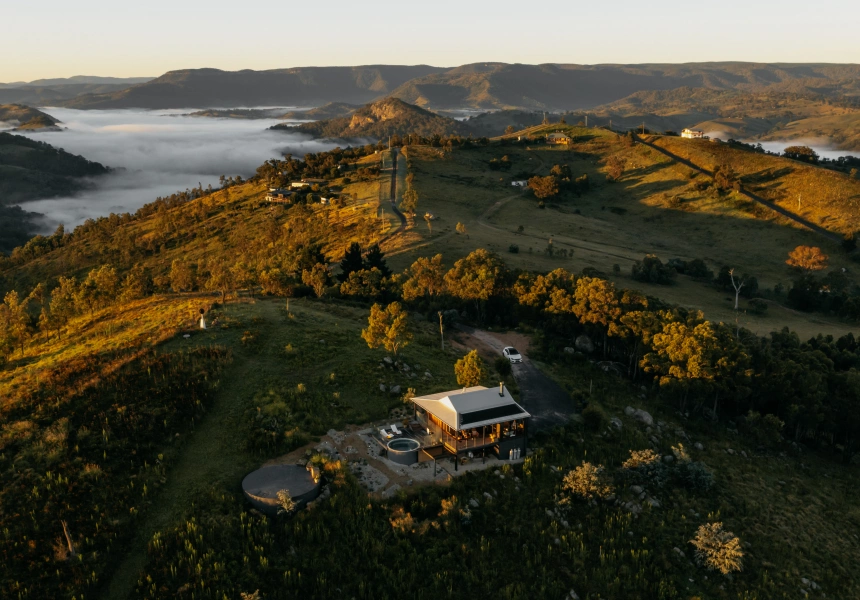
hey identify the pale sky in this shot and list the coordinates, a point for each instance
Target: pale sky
(58, 38)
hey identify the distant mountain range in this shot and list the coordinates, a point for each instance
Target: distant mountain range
(390, 116)
(306, 86)
(77, 80)
(477, 86)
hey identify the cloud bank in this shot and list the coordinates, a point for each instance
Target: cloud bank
(161, 152)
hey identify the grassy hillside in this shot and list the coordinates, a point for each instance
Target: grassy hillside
(766, 115)
(656, 207)
(825, 197)
(381, 119)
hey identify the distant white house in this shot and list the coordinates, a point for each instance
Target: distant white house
(519, 183)
(693, 134)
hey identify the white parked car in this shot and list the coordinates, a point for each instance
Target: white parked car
(512, 355)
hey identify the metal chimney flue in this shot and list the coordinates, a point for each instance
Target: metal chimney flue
(501, 388)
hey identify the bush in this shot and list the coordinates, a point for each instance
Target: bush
(594, 418)
(585, 482)
(652, 270)
(757, 306)
(767, 429)
(694, 476)
(514, 249)
(698, 269)
(718, 550)
(503, 366)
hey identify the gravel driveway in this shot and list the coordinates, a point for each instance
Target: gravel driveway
(547, 401)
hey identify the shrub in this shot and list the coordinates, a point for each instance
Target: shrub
(503, 366)
(767, 429)
(698, 269)
(694, 476)
(586, 482)
(594, 418)
(652, 270)
(514, 249)
(757, 306)
(641, 458)
(718, 550)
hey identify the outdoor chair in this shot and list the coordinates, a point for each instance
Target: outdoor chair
(393, 427)
(385, 434)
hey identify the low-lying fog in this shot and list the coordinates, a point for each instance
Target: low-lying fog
(162, 153)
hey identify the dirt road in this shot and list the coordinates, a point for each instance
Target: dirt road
(548, 403)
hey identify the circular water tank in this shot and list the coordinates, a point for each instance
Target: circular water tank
(403, 451)
(262, 486)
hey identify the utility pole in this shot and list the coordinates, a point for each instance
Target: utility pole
(586, 120)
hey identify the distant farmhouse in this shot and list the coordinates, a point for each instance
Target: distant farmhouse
(558, 138)
(519, 183)
(279, 196)
(307, 183)
(693, 134)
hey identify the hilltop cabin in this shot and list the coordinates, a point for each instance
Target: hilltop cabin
(473, 422)
(558, 138)
(692, 134)
(279, 196)
(308, 182)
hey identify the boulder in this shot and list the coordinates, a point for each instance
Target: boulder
(395, 390)
(698, 446)
(668, 459)
(643, 417)
(629, 411)
(388, 360)
(382, 387)
(636, 489)
(583, 343)
(473, 503)
(569, 350)
(616, 423)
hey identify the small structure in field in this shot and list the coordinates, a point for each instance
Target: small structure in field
(279, 196)
(692, 134)
(558, 138)
(520, 183)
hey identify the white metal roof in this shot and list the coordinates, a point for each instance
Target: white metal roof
(462, 409)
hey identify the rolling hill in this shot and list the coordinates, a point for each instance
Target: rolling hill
(764, 115)
(22, 117)
(380, 119)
